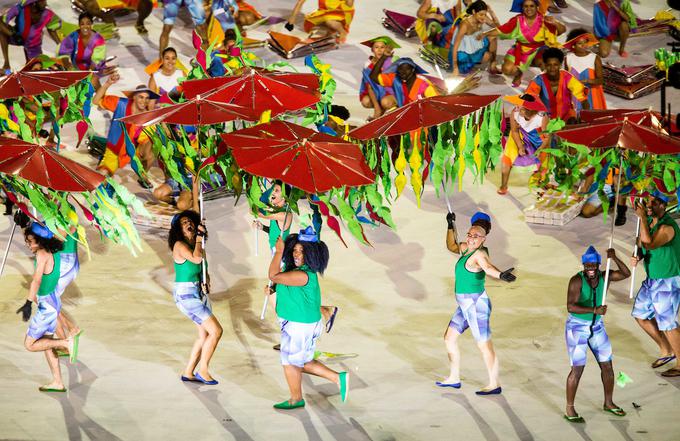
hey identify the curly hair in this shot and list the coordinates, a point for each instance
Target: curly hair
(176, 234)
(52, 245)
(553, 52)
(477, 6)
(576, 33)
(315, 253)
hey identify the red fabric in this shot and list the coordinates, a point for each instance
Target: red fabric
(29, 83)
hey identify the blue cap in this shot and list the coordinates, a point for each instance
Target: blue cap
(480, 216)
(404, 60)
(517, 5)
(174, 220)
(41, 230)
(591, 256)
(660, 196)
(308, 235)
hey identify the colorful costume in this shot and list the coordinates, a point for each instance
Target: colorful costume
(530, 133)
(474, 306)
(606, 21)
(70, 265)
(421, 87)
(583, 68)
(298, 310)
(443, 7)
(221, 12)
(470, 51)
(84, 57)
(659, 295)
(336, 10)
(529, 39)
(586, 330)
(171, 9)
(560, 104)
(29, 34)
(45, 319)
(187, 292)
(366, 82)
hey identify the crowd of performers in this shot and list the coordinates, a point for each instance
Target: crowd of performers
(465, 33)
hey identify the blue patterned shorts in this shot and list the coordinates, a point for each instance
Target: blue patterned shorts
(44, 320)
(659, 299)
(474, 311)
(188, 298)
(68, 270)
(579, 339)
(171, 9)
(298, 341)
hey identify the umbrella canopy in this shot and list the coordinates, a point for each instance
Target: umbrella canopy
(644, 117)
(34, 82)
(197, 111)
(311, 161)
(44, 166)
(259, 90)
(623, 134)
(422, 113)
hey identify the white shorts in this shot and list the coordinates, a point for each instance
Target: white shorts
(298, 341)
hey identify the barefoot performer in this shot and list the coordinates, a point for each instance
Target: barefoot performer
(474, 306)
(585, 328)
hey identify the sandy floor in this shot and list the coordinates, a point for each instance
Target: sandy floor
(395, 301)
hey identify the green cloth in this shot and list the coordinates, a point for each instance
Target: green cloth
(187, 271)
(300, 303)
(275, 233)
(70, 245)
(49, 281)
(468, 282)
(664, 262)
(590, 297)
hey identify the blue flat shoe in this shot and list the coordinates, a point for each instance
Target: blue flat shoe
(453, 385)
(331, 320)
(196, 380)
(204, 381)
(496, 391)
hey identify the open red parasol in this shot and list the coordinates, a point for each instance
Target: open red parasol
(421, 114)
(312, 161)
(34, 82)
(643, 117)
(44, 166)
(259, 90)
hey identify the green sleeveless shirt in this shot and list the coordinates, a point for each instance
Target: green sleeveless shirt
(70, 245)
(275, 233)
(664, 262)
(49, 281)
(468, 282)
(300, 303)
(590, 297)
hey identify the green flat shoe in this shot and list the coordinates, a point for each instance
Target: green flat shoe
(615, 411)
(74, 349)
(62, 353)
(285, 405)
(574, 419)
(51, 389)
(344, 385)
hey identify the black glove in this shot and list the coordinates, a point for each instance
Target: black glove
(25, 310)
(289, 26)
(508, 276)
(265, 228)
(21, 219)
(450, 219)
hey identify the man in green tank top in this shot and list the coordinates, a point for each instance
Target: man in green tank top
(658, 301)
(585, 328)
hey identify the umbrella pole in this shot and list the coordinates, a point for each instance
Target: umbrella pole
(266, 297)
(611, 236)
(9, 244)
(635, 251)
(448, 206)
(257, 241)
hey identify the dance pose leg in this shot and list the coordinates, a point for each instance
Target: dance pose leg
(214, 330)
(195, 355)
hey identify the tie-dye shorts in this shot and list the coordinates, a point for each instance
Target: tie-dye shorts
(579, 338)
(474, 311)
(68, 270)
(298, 341)
(659, 299)
(191, 302)
(44, 320)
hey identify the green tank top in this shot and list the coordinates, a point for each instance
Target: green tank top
(664, 262)
(275, 233)
(468, 282)
(300, 303)
(49, 281)
(187, 272)
(70, 245)
(590, 297)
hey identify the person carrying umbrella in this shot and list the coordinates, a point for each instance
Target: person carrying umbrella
(29, 18)
(298, 293)
(658, 300)
(42, 291)
(474, 306)
(584, 328)
(405, 78)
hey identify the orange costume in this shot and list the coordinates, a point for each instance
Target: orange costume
(330, 10)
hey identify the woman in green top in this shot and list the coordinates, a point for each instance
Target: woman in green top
(474, 306)
(186, 242)
(39, 337)
(299, 300)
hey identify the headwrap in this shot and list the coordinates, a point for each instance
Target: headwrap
(308, 235)
(480, 216)
(405, 60)
(660, 196)
(41, 231)
(589, 38)
(517, 5)
(591, 256)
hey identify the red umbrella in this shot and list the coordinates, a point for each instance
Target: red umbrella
(644, 117)
(44, 166)
(34, 82)
(259, 90)
(312, 161)
(422, 113)
(623, 134)
(197, 111)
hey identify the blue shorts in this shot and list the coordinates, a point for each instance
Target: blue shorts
(171, 9)
(44, 320)
(191, 302)
(68, 270)
(474, 311)
(659, 299)
(298, 341)
(579, 338)
(594, 198)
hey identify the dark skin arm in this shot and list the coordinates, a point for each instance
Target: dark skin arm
(661, 237)
(574, 290)
(622, 273)
(377, 68)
